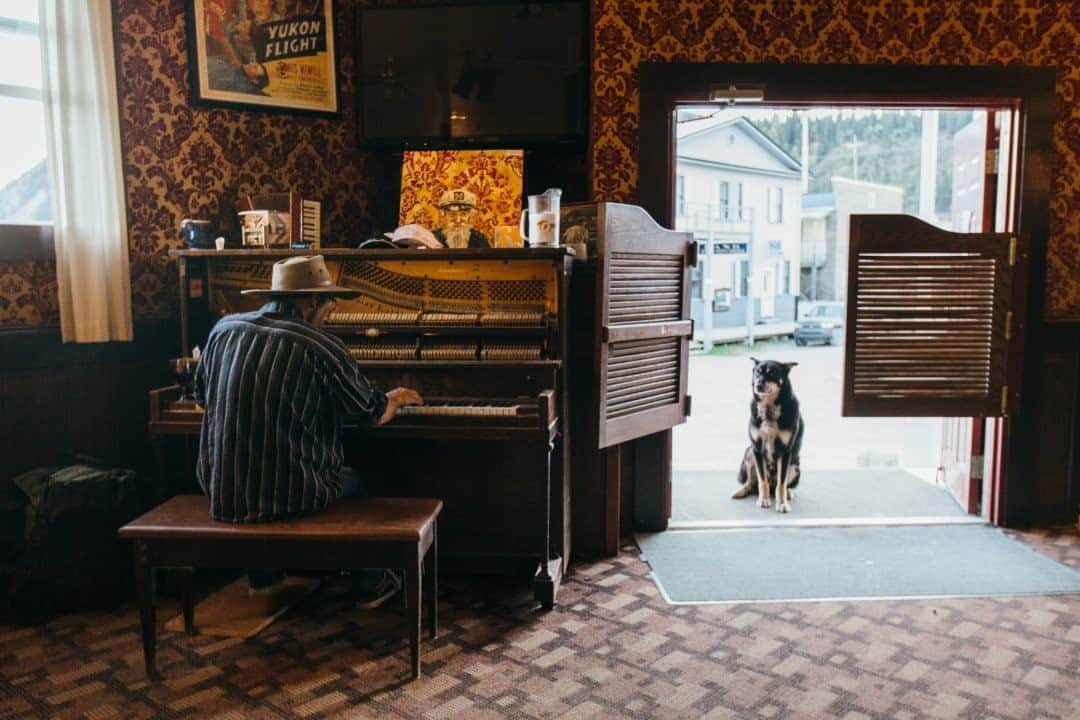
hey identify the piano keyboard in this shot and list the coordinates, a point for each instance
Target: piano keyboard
(460, 409)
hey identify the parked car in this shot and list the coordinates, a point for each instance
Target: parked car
(824, 323)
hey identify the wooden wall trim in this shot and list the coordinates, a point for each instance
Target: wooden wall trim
(26, 243)
(41, 348)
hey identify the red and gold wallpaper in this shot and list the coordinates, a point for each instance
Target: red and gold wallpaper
(938, 32)
(182, 161)
(495, 176)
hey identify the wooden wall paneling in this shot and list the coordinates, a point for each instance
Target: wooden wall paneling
(61, 400)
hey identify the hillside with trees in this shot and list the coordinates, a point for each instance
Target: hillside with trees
(884, 145)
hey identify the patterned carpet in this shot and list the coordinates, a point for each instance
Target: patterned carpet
(612, 649)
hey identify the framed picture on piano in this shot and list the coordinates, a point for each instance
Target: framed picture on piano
(262, 54)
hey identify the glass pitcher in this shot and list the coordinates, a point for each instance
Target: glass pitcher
(543, 212)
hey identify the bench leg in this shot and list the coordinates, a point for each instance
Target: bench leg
(188, 596)
(431, 589)
(144, 589)
(413, 585)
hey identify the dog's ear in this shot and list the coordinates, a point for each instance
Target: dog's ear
(756, 361)
(790, 365)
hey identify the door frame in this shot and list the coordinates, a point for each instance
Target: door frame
(1029, 91)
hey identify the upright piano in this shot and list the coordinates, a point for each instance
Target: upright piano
(530, 363)
(482, 335)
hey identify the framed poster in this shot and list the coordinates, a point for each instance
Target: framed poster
(263, 54)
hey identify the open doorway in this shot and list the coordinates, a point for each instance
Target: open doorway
(768, 193)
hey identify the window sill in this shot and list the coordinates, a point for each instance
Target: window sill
(26, 243)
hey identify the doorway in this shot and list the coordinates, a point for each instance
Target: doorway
(1028, 93)
(803, 173)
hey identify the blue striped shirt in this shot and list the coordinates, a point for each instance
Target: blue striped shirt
(276, 391)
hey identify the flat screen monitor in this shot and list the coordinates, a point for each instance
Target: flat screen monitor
(489, 74)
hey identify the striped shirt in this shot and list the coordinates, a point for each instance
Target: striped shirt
(275, 390)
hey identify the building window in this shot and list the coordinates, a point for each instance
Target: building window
(787, 277)
(723, 189)
(776, 205)
(744, 278)
(680, 195)
(24, 175)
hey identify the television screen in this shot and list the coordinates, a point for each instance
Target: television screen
(510, 74)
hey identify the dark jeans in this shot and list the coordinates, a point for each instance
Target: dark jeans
(351, 485)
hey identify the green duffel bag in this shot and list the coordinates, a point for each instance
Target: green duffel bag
(70, 557)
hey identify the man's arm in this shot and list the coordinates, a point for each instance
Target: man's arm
(357, 395)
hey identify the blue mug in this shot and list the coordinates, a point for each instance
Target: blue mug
(197, 233)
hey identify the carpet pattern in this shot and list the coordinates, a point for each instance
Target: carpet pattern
(612, 649)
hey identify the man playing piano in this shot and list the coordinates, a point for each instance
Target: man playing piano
(276, 389)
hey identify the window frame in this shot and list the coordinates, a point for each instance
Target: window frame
(19, 241)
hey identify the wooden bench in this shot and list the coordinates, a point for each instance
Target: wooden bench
(351, 534)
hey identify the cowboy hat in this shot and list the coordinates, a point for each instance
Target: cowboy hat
(302, 275)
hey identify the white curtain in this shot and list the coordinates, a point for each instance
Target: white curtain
(85, 172)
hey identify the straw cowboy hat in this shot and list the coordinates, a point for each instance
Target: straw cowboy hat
(302, 275)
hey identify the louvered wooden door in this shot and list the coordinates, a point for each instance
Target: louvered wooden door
(645, 325)
(929, 320)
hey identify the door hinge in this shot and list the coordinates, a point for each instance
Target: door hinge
(1004, 399)
(991, 162)
(1008, 325)
(687, 404)
(1012, 251)
(692, 254)
(977, 467)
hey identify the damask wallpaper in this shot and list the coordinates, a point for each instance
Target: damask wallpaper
(494, 175)
(959, 32)
(181, 161)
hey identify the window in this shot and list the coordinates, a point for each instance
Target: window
(776, 205)
(722, 191)
(24, 176)
(680, 195)
(744, 278)
(787, 277)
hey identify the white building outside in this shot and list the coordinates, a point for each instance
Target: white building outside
(739, 193)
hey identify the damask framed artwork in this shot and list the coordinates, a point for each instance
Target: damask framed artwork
(263, 54)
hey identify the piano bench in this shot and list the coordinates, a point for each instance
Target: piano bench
(350, 534)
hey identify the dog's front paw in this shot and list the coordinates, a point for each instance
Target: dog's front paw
(741, 492)
(783, 507)
(764, 501)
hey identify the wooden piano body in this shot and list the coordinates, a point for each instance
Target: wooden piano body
(481, 334)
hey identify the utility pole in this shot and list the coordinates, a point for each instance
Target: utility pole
(750, 287)
(928, 166)
(855, 156)
(805, 151)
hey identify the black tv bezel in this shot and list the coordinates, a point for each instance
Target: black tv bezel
(526, 142)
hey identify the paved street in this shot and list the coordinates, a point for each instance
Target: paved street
(714, 438)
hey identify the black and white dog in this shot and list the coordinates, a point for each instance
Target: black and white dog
(776, 432)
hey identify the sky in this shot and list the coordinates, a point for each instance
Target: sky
(22, 123)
